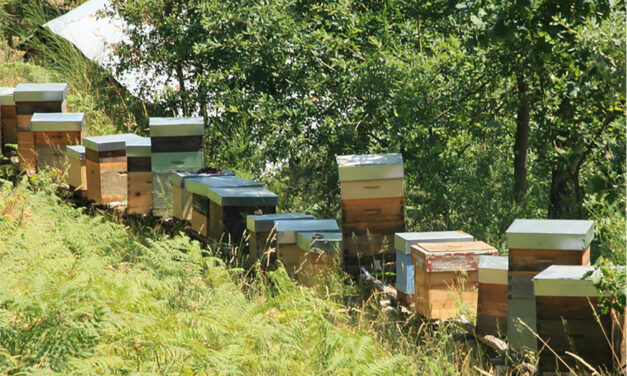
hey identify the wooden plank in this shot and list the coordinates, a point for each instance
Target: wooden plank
(29, 108)
(521, 339)
(229, 222)
(8, 112)
(381, 209)
(50, 157)
(520, 285)
(106, 182)
(181, 203)
(58, 138)
(492, 309)
(176, 144)
(139, 192)
(371, 189)
(138, 164)
(26, 151)
(93, 180)
(9, 131)
(77, 174)
(23, 123)
(200, 223)
(449, 256)
(539, 259)
(110, 156)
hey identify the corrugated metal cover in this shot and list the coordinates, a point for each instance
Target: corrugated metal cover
(57, 121)
(50, 92)
(139, 147)
(245, 196)
(493, 269)
(320, 242)
(553, 234)
(75, 151)
(200, 184)
(403, 241)
(6, 96)
(565, 280)
(179, 177)
(265, 222)
(286, 230)
(108, 142)
(370, 166)
(176, 126)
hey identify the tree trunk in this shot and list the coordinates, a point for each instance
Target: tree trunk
(521, 144)
(566, 197)
(182, 91)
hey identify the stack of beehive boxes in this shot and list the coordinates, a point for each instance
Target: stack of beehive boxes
(446, 277)
(534, 245)
(320, 255)
(139, 178)
(566, 298)
(77, 170)
(176, 146)
(492, 304)
(199, 187)
(403, 241)
(228, 208)
(29, 99)
(52, 133)
(8, 118)
(288, 251)
(106, 167)
(182, 199)
(263, 236)
(371, 192)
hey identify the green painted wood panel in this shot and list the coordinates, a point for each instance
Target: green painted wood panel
(167, 162)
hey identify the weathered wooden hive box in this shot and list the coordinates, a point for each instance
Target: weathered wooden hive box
(53, 132)
(446, 277)
(287, 249)
(403, 241)
(371, 192)
(534, 245)
(262, 234)
(182, 198)
(176, 146)
(199, 187)
(492, 301)
(320, 254)
(106, 167)
(566, 320)
(228, 208)
(8, 116)
(77, 169)
(29, 99)
(139, 178)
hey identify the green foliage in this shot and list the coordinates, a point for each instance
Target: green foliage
(611, 282)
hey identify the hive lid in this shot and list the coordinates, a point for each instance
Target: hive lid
(286, 229)
(451, 256)
(179, 177)
(243, 196)
(75, 151)
(139, 147)
(6, 96)
(565, 280)
(265, 222)
(200, 184)
(108, 142)
(493, 269)
(56, 92)
(550, 234)
(370, 166)
(320, 242)
(403, 241)
(176, 126)
(57, 122)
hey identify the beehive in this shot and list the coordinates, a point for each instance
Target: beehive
(29, 99)
(77, 170)
(566, 319)
(534, 245)
(181, 198)
(492, 300)
(53, 132)
(287, 249)
(139, 178)
(320, 255)
(371, 192)
(199, 187)
(262, 236)
(228, 208)
(403, 241)
(8, 117)
(446, 277)
(176, 146)
(107, 167)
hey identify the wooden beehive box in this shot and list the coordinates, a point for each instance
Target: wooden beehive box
(371, 192)
(182, 198)
(287, 249)
(262, 234)
(320, 255)
(403, 241)
(77, 169)
(199, 187)
(53, 131)
(139, 178)
(566, 320)
(176, 146)
(29, 99)
(446, 277)
(8, 117)
(106, 167)
(492, 300)
(534, 245)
